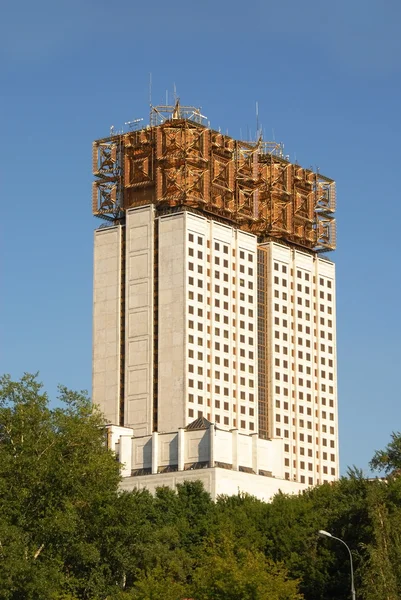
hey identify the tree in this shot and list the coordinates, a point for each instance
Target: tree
(389, 459)
(55, 473)
(227, 572)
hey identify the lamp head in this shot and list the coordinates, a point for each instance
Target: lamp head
(324, 533)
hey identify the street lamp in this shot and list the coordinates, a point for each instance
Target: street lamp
(323, 533)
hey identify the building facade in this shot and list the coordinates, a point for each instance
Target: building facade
(214, 350)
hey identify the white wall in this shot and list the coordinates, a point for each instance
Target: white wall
(172, 324)
(218, 482)
(106, 322)
(139, 320)
(210, 445)
(301, 362)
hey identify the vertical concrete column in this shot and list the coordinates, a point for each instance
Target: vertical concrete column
(255, 465)
(181, 448)
(155, 452)
(235, 448)
(211, 445)
(106, 322)
(139, 320)
(126, 455)
(172, 326)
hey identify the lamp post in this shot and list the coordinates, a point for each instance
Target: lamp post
(323, 533)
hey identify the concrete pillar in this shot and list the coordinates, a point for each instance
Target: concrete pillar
(235, 448)
(181, 448)
(155, 452)
(255, 465)
(211, 444)
(126, 455)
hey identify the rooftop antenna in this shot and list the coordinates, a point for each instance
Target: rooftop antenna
(257, 122)
(150, 89)
(134, 124)
(166, 97)
(176, 112)
(175, 94)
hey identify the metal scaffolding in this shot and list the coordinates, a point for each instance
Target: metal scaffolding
(178, 161)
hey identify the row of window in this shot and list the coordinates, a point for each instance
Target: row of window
(300, 407)
(300, 302)
(302, 478)
(226, 392)
(223, 390)
(219, 247)
(301, 422)
(217, 374)
(217, 331)
(199, 269)
(218, 404)
(305, 274)
(191, 352)
(302, 438)
(303, 289)
(329, 389)
(217, 418)
(301, 450)
(284, 363)
(225, 291)
(218, 360)
(285, 377)
(302, 465)
(302, 328)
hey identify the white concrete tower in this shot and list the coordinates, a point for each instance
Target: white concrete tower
(214, 333)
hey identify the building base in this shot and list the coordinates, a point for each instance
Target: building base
(217, 482)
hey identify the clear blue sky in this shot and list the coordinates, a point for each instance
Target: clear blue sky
(327, 79)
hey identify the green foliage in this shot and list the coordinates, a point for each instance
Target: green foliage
(229, 572)
(68, 533)
(389, 459)
(382, 568)
(55, 473)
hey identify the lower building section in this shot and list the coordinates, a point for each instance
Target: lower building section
(218, 482)
(197, 321)
(227, 462)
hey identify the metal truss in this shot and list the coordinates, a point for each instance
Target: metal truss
(107, 190)
(178, 161)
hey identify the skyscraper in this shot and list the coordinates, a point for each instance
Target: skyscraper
(214, 351)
